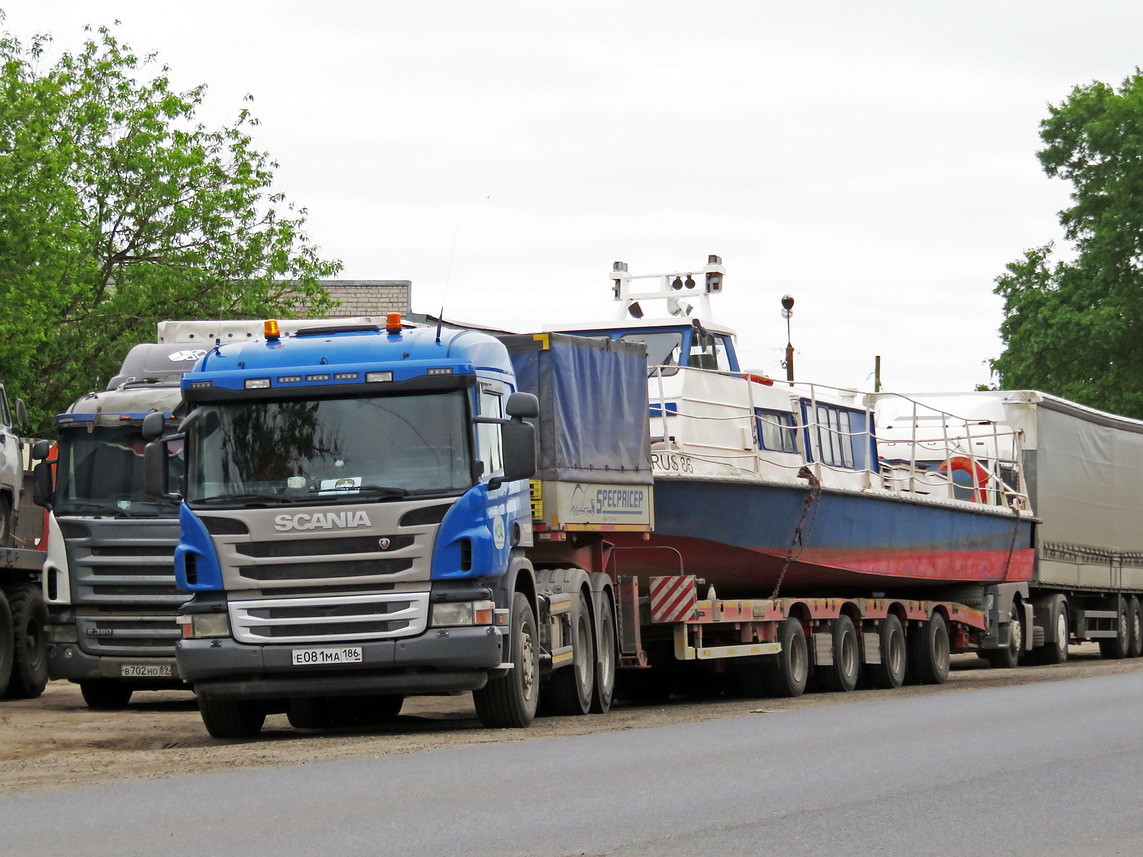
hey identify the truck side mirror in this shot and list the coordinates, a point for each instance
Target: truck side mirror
(155, 480)
(522, 405)
(41, 449)
(42, 488)
(21, 413)
(519, 442)
(154, 424)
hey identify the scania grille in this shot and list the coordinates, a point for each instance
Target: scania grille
(337, 619)
(326, 569)
(129, 636)
(123, 574)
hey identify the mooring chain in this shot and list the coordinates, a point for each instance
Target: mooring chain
(800, 541)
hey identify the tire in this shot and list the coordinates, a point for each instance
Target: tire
(890, 673)
(309, 712)
(232, 718)
(7, 644)
(787, 675)
(1134, 627)
(30, 646)
(841, 675)
(929, 651)
(1115, 648)
(1009, 656)
(606, 658)
(365, 710)
(509, 701)
(569, 690)
(6, 529)
(104, 694)
(1057, 652)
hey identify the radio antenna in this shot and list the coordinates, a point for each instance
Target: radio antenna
(448, 275)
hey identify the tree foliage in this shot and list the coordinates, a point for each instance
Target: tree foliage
(1074, 327)
(118, 209)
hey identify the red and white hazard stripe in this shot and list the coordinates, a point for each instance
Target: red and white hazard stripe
(673, 599)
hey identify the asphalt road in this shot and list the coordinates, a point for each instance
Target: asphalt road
(1046, 768)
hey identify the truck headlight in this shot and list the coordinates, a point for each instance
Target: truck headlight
(462, 613)
(197, 625)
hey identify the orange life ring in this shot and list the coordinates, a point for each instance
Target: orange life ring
(966, 464)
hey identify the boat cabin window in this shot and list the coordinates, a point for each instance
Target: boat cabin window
(837, 436)
(775, 430)
(708, 351)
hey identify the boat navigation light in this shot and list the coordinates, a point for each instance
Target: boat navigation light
(689, 282)
(677, 283)
(635, 310)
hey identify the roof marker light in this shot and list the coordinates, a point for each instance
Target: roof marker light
(270, 328)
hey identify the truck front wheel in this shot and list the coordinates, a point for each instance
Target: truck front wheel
(102, 694)
(1009, 656)
(30, 647)
(509, 701)
(232, 718)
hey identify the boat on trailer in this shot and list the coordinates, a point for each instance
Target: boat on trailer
(765, 487)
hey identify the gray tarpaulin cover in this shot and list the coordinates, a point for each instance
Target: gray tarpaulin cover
(1086, 474)
(593, 406)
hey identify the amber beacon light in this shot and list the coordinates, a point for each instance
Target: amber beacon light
(270, 328)
(393, 323)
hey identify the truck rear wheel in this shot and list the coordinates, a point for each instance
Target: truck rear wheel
(929, 651)
(841, 675)
(1134, 627)
(102, 694)
(605, 658)
(790, 670)
(1116, 647)
(890, 673)
(30, 647)
(509, 701)
(232, 718)
(569, 689)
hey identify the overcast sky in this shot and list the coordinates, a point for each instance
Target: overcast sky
(876, 160)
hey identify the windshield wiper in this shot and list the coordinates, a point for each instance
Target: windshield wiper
(251, 498)
(384, 491)
(79, 507)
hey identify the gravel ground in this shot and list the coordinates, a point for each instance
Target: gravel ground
(56, 742)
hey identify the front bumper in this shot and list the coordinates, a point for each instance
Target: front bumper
(69, 661)
(440, 660)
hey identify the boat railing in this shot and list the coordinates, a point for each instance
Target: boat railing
(771, 429)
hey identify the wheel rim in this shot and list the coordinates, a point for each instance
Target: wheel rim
(1016, 635)
(896, 653)
(941, 649)
(1135, 626)
(606, 655)
(1061, 631)
(849, 655)
(799, 660)
(583, 665)
(528, 657)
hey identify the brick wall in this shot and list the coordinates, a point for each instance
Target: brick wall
(368, 297)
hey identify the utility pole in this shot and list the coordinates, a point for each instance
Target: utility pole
(787, 311)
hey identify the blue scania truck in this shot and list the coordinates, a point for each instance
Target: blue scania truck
(374, 511)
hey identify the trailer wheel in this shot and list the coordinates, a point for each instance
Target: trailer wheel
(790, 670)
(1009, 656)
(7, 644)
(1057, 652)
(232, 718)
(102, 694)
(509, 701)
(30, 647)
(929, 651)
(890, 673)
(1116, 647)
(1135, 627)
(605, 659)
(841, 676)
(569, 690)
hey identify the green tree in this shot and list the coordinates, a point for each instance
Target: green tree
(119, 209)
(1074, 327)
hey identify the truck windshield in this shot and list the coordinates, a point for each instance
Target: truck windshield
(100, 472)
(328, 450)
